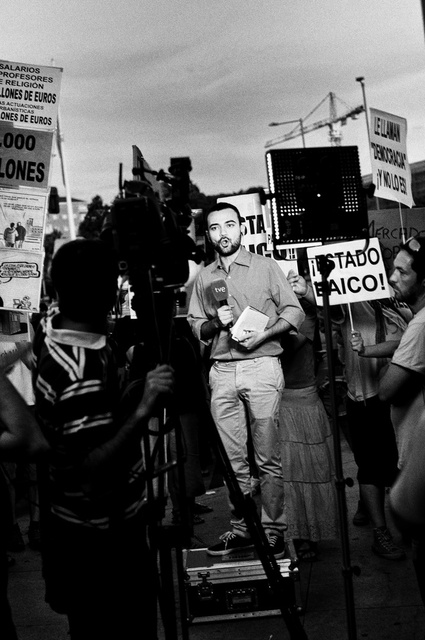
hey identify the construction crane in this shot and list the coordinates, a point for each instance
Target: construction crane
(332, 122)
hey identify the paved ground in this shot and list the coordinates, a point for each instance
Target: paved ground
(387, 603)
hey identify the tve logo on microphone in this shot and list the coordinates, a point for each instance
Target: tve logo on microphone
(220, 291)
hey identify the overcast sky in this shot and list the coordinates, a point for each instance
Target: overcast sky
(203, 78)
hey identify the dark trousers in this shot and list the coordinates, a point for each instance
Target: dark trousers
(104, 581)
(373, 441)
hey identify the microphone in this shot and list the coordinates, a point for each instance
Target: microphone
(220, 292)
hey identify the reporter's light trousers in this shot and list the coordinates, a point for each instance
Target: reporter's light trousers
(245, 394)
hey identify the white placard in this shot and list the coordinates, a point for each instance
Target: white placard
(27, 213)
(29, 95)
(20, 279)
(358, 273)
(388, 154)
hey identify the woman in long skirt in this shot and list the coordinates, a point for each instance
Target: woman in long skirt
(306, 444)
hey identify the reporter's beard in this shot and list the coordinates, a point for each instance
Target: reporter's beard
(229, 249)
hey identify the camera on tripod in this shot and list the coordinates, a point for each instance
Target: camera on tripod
(148, 225)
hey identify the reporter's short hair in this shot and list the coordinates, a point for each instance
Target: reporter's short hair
(84, 274)
(221, 206)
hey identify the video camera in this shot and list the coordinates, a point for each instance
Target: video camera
(148, 225)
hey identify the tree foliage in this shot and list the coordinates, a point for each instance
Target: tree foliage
(91, 226)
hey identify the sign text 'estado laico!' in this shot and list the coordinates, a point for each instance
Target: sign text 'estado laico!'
(358, 273)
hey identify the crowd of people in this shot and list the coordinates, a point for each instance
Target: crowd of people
(382, 360)
(262, 394)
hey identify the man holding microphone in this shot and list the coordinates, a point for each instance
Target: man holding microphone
(246, 376)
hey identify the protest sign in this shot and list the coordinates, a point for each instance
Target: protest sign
(20, 279)
(358, 275)
(384, 224)
(24, 157)
(29, 101)
(388, 152)
(26, 212)
(255, 232)
(29, 95)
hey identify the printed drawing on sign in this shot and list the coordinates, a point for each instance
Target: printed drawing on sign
(358, 273)
(20, 280)
(22, 220)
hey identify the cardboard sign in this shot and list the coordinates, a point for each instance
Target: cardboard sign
(26, 212)
(388, 153)
(29, 95)
(20, 279)
(29, 101)
(358, 275)
(385, 225)
(25, 157)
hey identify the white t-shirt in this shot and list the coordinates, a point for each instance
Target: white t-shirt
(362, 374)
(409, 417)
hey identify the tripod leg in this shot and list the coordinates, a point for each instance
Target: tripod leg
(282, 589)
(347, 569)
(182, 594)
(166, 595)
(169, 538)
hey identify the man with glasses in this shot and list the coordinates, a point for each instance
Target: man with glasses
(403, 383)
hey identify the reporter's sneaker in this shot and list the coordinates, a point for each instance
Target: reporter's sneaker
(230, 543)
(384, 545)
(277, 545)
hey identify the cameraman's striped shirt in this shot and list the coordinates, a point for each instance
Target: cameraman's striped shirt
(77, 394)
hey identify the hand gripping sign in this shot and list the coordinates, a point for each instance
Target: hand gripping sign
(358, 275)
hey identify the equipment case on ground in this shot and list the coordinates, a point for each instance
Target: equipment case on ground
(235, 586)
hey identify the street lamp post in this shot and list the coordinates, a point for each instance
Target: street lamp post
(300, 121)
(361, 80)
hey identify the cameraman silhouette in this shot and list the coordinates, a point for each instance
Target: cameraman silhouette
(97, 564)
